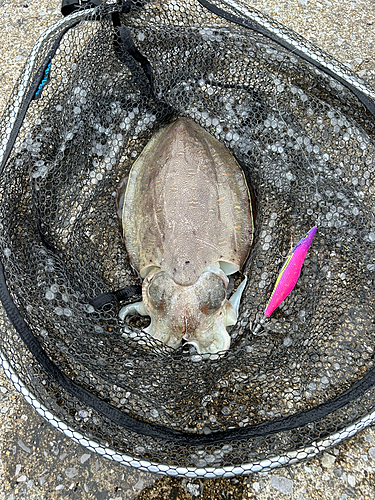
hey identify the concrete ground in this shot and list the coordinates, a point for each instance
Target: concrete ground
(37, 462)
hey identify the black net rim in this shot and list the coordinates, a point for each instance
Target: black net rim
(265, 464)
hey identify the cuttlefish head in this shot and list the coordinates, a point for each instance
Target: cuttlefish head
(197, 313)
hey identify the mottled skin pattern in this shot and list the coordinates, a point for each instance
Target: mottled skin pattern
(187, 223)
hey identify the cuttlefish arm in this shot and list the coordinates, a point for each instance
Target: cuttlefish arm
(131, 309)
(235, 300)
(217, 339)
(205, 323)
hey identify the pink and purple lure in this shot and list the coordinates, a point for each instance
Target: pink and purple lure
(290, 272)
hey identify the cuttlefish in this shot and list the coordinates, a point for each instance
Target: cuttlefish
(188, 223)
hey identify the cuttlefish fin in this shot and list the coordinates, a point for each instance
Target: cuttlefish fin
(290, 272)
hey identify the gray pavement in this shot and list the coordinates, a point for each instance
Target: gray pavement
(37, 461)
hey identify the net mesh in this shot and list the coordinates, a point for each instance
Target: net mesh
(306, 143)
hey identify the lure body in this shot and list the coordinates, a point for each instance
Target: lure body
(290, 272)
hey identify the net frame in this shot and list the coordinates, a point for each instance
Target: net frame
(170, 469)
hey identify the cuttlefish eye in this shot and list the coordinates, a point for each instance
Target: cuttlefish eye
(160, 290)
(211, 293)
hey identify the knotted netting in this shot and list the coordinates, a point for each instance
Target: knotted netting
(95, 89)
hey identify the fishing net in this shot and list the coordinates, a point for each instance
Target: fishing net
(96, 87)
